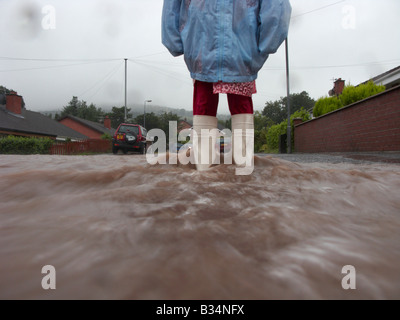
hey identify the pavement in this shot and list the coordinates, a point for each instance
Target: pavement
(346, 157)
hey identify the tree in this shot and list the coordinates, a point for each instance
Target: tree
(72, 108)
(228, 123)
(277, 110)
(152, 121)
(299, 101)
(277, 130)
(79, 108)
(158, 122)
(261, 126)
(165, 118)
(90, 112)
(117, 116)
(260, 139)
(4, 91)
(261, 121)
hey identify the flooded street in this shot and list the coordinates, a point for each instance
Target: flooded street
(115, 227)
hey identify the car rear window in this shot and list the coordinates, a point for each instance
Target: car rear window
(126, 129)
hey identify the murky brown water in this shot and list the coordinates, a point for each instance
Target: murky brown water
(116, 228)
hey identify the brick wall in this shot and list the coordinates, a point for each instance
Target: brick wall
(91, 134)
(366, 126)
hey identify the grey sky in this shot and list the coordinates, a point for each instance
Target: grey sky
(84, 55)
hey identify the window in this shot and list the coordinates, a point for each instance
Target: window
(129, 129)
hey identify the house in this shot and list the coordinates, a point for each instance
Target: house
(369, 125)
(93, 130)
(338, 88)
(389, 79)
(17, 121)
(184, 124)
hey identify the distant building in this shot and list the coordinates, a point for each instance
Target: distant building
(369, 125)
(92, 130)
(337, 88)
(184, 124)
(389, 79)
(17, 121)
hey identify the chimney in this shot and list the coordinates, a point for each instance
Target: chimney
(338, 88)
(107, 122)
(14, 102)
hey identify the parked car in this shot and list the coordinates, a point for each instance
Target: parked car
(129, 137)
(225, 145)
(175, 147)
(185, 147)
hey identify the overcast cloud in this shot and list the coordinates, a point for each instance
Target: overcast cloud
(78, 49)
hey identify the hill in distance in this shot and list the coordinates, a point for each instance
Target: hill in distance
(139, 109)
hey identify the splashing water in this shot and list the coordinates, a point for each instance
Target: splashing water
(115, 227)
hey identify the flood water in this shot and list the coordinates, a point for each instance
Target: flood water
(115, 227)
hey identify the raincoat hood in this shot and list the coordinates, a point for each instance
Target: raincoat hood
(225, 40)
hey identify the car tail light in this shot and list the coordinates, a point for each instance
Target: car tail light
(119, 136)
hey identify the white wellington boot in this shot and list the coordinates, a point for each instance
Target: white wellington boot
(204, 137)
(243, 143)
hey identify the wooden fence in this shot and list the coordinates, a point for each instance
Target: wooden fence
(81, 147)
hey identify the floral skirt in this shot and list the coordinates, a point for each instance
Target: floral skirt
(242, 88)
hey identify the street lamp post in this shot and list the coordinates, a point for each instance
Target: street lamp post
(126, 88)
(144, 115)
(289, 126)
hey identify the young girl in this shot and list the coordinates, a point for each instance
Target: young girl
(225, 43)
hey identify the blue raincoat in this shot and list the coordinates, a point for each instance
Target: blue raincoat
(225, 40)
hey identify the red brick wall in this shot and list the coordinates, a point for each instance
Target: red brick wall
(91, 134)
(366, 126)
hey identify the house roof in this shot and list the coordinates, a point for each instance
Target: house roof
(389, 78)
(189, 123)
(31, 122)
(99, 127)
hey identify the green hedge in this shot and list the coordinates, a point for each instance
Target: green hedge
(353, 94)
(23, 145)
(350, 95)
(276, 131)
(106, 136)
(326, 105)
